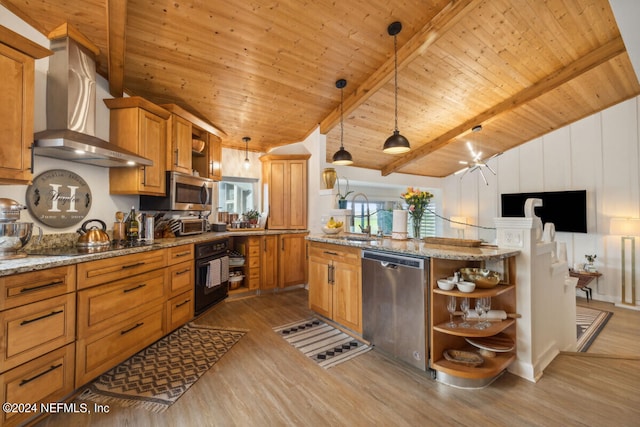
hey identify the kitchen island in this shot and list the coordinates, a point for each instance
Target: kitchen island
(336, 291)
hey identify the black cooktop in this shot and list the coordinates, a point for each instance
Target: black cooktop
(75, 251)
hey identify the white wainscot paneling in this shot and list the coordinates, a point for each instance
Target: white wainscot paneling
(557, 160)
(531, 166)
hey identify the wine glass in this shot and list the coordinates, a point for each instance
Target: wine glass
(486, 306)
(451, 308)
(479, 310)
(464, 306)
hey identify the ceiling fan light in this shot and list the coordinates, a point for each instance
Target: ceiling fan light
(342, 157)
(396, 144)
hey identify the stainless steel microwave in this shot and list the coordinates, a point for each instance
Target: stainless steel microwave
(184, 193)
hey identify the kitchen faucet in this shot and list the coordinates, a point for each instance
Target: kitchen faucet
(366, 230)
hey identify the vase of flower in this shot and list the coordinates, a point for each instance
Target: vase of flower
(417, 201)
(416, 222)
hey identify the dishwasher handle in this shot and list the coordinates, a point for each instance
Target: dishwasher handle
(387, 259)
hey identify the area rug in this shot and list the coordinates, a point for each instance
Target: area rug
(157, 376)
(322, 343)
(589, 323)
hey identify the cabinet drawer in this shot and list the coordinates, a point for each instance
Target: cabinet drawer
(25, 288)
(179, 310)
(179, 254)
(107, 270)
(180, 277)
(46, 379)
(335, 253)
(34, 329)
(102, 351)
(101, 306)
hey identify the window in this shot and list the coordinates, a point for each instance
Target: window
(237, 195)
(381, 217)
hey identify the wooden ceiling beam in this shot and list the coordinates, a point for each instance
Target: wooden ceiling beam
(449, 16)
(593, 59)
(116, 32)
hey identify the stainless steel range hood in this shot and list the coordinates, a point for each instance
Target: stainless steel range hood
(71, 111)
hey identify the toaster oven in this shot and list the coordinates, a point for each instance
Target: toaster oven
(189, 226)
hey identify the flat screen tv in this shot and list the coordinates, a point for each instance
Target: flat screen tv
(567, 210)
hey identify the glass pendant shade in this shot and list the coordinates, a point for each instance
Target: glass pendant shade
(247, 163)
(342, 157)
(396, 144)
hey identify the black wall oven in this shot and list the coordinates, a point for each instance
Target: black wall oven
(212, 273)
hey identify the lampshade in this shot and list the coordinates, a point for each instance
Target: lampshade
(625, 226)
(458, 222)
(342, 157)
(396, 144)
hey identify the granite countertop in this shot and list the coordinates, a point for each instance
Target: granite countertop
(420, 249)
(41, 262)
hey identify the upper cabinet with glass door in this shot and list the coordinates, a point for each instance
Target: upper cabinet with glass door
(194, 146)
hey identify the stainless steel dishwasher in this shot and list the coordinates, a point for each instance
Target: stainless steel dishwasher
(394, 302)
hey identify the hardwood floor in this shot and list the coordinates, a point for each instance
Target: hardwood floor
(263, 381)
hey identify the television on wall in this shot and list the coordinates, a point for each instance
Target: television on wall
(567, 210)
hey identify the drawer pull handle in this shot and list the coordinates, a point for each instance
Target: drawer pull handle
(183, 254)
(183, 303)
(28, 380)
(180, 273)
(137, 264)
(137, 325)
(330, 253)
(134, 288)
(35, 288)
(53, 313)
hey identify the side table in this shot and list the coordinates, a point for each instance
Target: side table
(584, 278)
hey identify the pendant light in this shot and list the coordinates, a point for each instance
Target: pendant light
(342, 156)
(247, 163)
(396, 143)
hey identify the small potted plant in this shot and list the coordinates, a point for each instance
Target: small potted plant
(252, 216)
(342, 198)
(590, 260)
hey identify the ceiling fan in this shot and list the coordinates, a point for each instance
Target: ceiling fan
(476, 163)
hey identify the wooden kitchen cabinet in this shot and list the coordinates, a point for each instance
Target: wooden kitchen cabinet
(286, 180)
(269, 262)
(335, 284)
(503, 297)
(46, 379)
(180, 274)
(184, 127)
(139, 126)
(121, 308)
(292, 259)
(37, 345)
(17, 68)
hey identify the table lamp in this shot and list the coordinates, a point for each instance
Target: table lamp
(459, 223)
(628, 228)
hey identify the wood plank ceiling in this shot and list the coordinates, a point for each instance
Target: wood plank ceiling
(267, 68)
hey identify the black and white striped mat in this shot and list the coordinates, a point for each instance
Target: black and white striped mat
(321, 342)
(589, 323)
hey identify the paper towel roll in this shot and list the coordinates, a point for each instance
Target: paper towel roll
(399, 227)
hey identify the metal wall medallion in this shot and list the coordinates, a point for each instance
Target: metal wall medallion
(59, 198)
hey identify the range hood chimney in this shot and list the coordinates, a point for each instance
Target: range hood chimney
(71, 110)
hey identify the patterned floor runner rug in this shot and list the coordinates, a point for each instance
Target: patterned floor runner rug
(589, 323)
(321, 342)
(157, 376)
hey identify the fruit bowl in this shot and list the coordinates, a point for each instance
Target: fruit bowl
(329, 230)
(483, 278)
